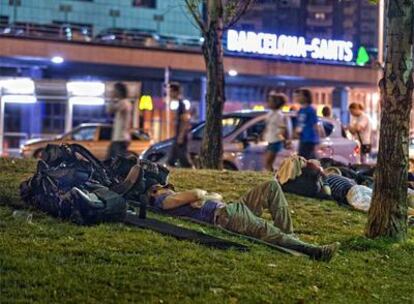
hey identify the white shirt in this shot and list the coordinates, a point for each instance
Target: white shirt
(364, 124)
(276, 126)
(122, 120)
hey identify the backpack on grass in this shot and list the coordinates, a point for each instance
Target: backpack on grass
(71, 184)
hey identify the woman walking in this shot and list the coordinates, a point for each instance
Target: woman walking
(277, 128)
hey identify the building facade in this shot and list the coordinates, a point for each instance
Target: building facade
(162, 17)
(56, 42)
(352, 20)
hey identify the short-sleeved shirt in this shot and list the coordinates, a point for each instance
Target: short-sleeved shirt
(122, 121)
(275, 127)
(204, 214)
(307, 122)
(364, 123)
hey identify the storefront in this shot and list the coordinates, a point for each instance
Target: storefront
(268, 64)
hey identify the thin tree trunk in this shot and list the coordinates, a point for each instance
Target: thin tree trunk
(388, 213)
(212, 148)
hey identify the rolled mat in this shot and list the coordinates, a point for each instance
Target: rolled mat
(182, 233)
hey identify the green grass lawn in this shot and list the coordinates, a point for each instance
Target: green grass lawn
(48, 261)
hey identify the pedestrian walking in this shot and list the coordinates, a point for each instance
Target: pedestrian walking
(361, 128)
(327, 113)
(278, 129)
(121, 106)
(307, 124)
(179, 149)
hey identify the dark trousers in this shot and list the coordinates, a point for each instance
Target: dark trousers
(179, 152)
(307, 150)
(118, 148)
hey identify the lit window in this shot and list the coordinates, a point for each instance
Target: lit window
(144, 3)
(320, 16)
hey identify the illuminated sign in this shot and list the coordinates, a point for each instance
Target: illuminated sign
(363, 57)
(289, 46)
(258, 108)
(145, 103)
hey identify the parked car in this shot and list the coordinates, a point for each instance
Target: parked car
(93, 136)
(244, 148)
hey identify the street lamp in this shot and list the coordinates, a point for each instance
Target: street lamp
(114, 13)
(233, 73)
(57, 60)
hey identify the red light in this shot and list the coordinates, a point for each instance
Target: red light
(357, 150)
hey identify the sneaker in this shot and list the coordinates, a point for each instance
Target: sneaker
(327, 252)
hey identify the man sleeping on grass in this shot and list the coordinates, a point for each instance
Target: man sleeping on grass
(347, 192)
(307, 178)
(242, 217)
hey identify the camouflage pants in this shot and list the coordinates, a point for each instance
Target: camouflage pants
(244, 217)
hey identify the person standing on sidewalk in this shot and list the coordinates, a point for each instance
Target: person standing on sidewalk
(179, 149)
(121, 106)
(361, 128)
(307, 125)
(278, 129)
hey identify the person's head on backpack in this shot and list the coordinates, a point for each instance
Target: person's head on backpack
(158, 190)
(303, 97)
(275, 101)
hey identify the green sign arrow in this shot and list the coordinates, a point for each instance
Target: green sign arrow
(363, 57)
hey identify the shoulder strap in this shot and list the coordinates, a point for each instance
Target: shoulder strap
(96, 163)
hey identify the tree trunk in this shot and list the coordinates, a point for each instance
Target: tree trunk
(212, 147)
(388, 213)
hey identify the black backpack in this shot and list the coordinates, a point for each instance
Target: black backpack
(71, 184)
(150, 174)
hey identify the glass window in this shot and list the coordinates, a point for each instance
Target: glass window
(53, 117)
(230, 124)
(105, 133)
(328, 128)
(12, 117)
(255, 131)
(144, 3)
(89, 114)
(84, 134)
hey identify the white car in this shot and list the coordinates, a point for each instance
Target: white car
(244, 148)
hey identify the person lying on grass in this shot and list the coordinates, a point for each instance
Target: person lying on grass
(242, 217)
(307, 178)
(303, 177)
(347, 192)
